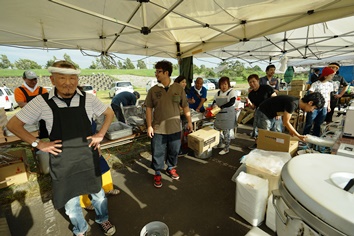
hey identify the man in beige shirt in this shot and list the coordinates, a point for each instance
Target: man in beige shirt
(163, 103)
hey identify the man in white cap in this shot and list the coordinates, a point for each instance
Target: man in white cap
(73, 148)
(29, 90)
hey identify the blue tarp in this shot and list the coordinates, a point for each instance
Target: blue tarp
(346, 71)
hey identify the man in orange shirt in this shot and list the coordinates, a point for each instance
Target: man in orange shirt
(29, 90)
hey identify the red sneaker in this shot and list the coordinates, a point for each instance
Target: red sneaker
(172, 173)
(157, 181)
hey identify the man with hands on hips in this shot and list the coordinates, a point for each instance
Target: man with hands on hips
(73, 148)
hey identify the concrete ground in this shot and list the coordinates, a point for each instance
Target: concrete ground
(202, 202)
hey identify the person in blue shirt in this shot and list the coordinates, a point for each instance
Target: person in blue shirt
(197, 96)
(126, 99)
(269, 79)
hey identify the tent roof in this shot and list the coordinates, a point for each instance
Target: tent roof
(164, 28)
(314, 44)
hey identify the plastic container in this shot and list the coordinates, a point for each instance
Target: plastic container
(155, 228)
(118, 130)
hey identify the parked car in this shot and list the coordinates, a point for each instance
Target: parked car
(151, 83)
(88, 89)
(120, 86)
(7, 99)
(207, 84)
(215, 81)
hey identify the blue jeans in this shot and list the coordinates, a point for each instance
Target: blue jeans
(165, 146)
(225, 138)
(74, 211)
(264, 122)
(315, 118)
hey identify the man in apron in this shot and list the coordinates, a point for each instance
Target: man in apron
(74, 159)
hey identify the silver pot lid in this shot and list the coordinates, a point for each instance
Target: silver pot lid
(316, 181)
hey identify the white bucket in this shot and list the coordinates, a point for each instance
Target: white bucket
(155, 228)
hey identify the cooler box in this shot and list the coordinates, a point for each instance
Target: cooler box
(266, 165)
(203, 139)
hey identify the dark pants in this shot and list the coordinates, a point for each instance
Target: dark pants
(333, 104)
(118, 112)
(316, 119)
(165, 147)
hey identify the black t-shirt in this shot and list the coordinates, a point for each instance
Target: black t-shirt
(264, 92)
(281, 103)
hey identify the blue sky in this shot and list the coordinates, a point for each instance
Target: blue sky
(42, 56)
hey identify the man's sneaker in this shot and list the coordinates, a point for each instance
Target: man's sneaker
(254, 146)
(108, 228)
(224, 151)
(157, 181)
(172, 173)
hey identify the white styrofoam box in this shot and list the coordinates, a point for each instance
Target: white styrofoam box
(346, 150)
(251, 198)
(255, 231)
(271, 214)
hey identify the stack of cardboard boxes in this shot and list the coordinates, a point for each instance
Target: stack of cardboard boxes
(297, 89)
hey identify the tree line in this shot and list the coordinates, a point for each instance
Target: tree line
(232, 69)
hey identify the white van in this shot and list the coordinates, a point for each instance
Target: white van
(120, 86)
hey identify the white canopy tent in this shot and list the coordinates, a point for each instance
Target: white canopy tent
(173, 28)
(310, 45)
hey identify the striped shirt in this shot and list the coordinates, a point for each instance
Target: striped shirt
(38, 109)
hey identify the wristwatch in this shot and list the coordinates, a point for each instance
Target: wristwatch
(35, 143)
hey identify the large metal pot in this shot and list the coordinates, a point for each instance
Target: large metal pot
(311, 199)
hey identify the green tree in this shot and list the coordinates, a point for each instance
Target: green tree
(128, 64)
(120, 65)
(108, 62)
(209, 73)
(50, 62)
(68, 58)
(26, 64)
(94, 64)
(196, 70)
(141, 64)
(256, 68)
(5, 62)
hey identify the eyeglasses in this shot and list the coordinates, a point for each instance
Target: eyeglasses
(158, 71)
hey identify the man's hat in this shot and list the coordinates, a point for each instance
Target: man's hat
(28, 74)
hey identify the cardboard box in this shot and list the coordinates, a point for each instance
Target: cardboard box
(203, 139)
(275, 141)
(273, 180)
(296, 93)
(298, 82)
(248, 117)
(14, 172)
(298, 87)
